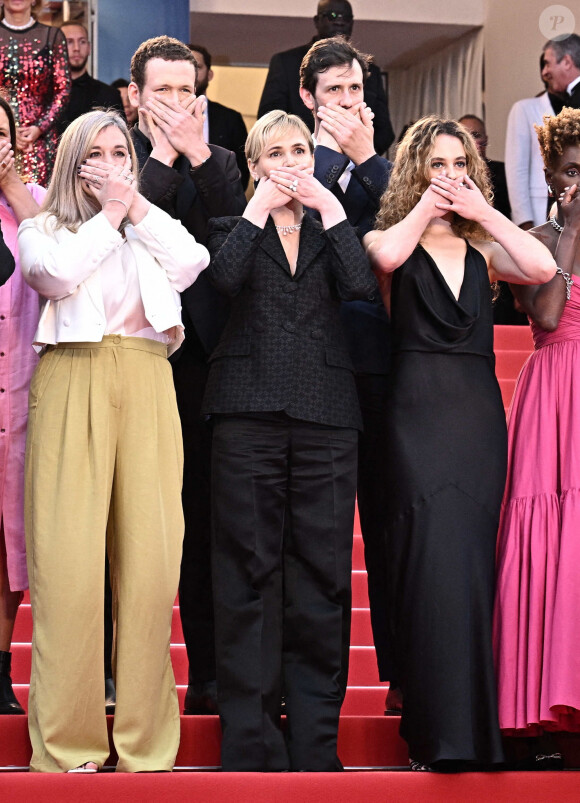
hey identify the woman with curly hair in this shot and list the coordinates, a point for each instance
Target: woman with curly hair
(439, 245)
(536, 637)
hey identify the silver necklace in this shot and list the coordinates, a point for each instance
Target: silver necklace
(556, 225)
(289, 229)
(30, 22)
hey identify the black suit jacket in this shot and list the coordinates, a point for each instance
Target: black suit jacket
(283, 347)
(366, 322)
(281, 91)
(228, 130)
(193, 196)
(86, 94)
(574, 99)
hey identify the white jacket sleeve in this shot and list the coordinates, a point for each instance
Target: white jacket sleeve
(518, 147)
(55, 263)
(174, 248)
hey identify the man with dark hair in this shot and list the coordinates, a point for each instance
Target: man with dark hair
(193, 182)
(561, 71)
(281, 90)
(222, 125)
(130, 111)
(332, 76)
(86, 92)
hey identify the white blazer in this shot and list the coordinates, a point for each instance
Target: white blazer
(63, 267)
(524, 168)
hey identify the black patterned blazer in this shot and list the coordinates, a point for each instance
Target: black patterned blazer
(283, 347)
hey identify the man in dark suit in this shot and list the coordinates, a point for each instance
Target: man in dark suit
(561, 72)
(222, 125)
(281, 90)
(332, 76)
(477, 129)
(193, 182)
(86, 92)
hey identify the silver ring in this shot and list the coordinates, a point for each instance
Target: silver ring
(294, 185)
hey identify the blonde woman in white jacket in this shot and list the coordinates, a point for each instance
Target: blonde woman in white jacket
(104, 454)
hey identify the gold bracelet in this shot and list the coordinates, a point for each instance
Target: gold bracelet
(119, 201)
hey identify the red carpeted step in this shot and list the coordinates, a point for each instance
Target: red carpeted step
(363, 667)
(358, 554)
(361, 632)
(360, 592)
(507, 387)
(362, 742)
(508, 364)
(367, 701)
(512, 338)
(249, 787)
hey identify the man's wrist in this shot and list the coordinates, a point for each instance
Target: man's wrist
(163, 156)
(198, 156)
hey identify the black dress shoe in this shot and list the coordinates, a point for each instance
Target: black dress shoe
(201, 698)
(8, 702)
(110, 696)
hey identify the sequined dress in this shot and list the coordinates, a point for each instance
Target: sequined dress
(34, 75)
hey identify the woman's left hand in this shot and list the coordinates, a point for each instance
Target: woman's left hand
(106, 181)
(299, 183)
(460, 195)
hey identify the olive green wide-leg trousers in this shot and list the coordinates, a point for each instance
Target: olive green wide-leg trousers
(103, 471)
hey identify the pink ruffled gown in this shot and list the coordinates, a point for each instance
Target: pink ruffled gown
(536, 630)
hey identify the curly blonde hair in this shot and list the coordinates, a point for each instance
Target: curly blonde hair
(558, 132)
(410, 176)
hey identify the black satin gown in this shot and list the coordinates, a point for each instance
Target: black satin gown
(446, 448)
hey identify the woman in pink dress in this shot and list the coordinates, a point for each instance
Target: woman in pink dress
(19, 309)
(536, 633)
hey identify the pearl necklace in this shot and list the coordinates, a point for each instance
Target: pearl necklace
(30, 22)
(289, 229)
(556, 225)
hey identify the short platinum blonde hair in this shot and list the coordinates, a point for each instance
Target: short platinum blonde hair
(275, 123)
(66, 200)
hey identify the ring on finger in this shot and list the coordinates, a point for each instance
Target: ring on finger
(294, 185)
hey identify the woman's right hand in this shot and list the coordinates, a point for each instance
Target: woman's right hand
(569, 204)
(429, 203)
(269, 195)
(105, 182)
(7, 168)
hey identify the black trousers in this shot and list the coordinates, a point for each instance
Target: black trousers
(372, 390)
(195, 587)
(279, 606)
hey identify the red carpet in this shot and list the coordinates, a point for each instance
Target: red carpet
(364, 787)
(367, 739)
